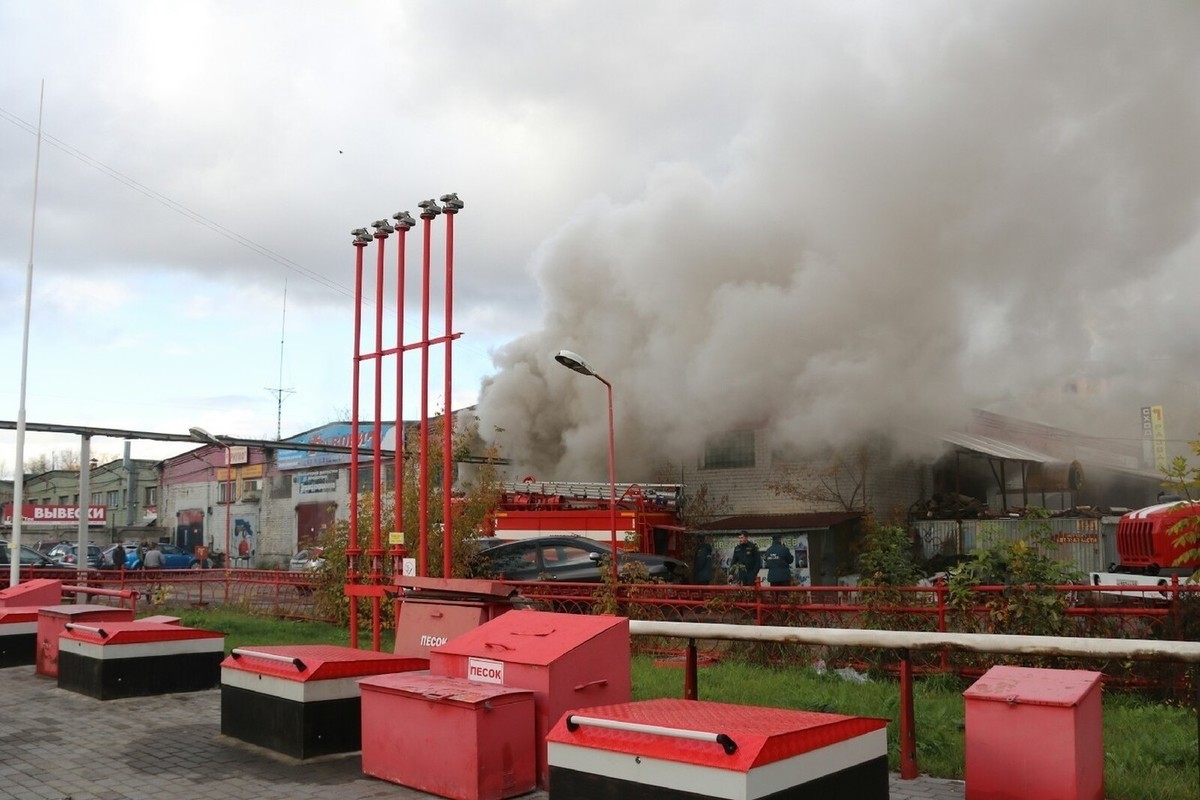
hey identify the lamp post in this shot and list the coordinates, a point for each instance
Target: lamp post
(575, 362)
(201, 435)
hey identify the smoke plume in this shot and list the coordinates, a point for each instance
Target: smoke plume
(993, 206)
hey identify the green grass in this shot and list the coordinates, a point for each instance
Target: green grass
(1150, 748)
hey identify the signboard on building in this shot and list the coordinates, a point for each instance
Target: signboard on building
(337, 434)
(48, 515)
(316, 482)
(1160, 437)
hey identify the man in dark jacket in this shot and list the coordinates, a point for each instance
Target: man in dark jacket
(778, 560)
(745, 562)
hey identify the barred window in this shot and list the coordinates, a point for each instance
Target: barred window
(729, 450)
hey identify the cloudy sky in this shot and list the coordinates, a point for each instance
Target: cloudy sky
(829, 218)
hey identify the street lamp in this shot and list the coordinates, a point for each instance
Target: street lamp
(201, 435)
(575, 362)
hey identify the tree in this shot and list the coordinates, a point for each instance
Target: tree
(1183, 479)
(840, 481)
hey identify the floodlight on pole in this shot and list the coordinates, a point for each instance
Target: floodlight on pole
(201, 435)
(576, 363)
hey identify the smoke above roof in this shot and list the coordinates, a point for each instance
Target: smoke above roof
(994, 207)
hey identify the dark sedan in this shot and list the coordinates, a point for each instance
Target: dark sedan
(29, 557)
(566, 558)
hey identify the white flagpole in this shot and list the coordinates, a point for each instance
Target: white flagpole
(14, 567)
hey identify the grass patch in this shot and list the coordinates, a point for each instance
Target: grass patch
(1150, 748)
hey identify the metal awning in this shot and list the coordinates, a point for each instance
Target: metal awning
(996, 448)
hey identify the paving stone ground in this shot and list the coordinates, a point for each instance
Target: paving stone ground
(56, 744)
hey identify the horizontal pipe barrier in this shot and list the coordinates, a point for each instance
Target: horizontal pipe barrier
(904, 641)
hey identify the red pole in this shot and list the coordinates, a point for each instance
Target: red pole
(382, 229)
(404, 222)
(429, 211)
(361, 238)
(690, 689)
(908, 720)
(451, 209)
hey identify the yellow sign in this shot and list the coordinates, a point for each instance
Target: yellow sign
(1160, 437)
(396, 537)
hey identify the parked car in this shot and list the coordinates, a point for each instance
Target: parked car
(69, 554)
(29, 557)
(566, 558)
(308, 558)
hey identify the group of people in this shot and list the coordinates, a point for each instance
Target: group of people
(146, 556)
(746, 561)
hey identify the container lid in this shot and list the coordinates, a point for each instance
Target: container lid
(441, 688)
(26, 614)
(139, 632)
(758, 735)
(88, 610)
(537, 638)
(1032, 686)
(314, 662)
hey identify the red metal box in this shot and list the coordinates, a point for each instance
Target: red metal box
(300, 700)
(37, 592)
(1034, 734)
(107, 660)
(568, 660)
(432, 611)
(687, 749)
(53, 620)
(448, 736)
(18, 636)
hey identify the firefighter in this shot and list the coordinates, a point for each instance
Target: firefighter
(746, 561)
(778, 560)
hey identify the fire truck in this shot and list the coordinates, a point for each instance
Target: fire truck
(1146, 549)
(647, 513)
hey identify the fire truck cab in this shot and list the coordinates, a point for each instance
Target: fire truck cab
(1146, 549)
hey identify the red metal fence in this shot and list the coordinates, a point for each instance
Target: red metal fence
(1169, 612)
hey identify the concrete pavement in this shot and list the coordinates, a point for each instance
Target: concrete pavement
(56, 744)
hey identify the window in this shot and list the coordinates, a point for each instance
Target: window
(222, 488)
(114, 497)
(252, 485)
(729, 450)
(97, 498)
(151, 496)
(63, 499)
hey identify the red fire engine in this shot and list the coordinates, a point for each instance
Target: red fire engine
(1146, 549)
(647, 513)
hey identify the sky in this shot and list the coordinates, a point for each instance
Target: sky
(829, 219)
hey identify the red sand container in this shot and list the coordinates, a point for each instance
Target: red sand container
(18, 636)
(568, 660)
(107, 660)
(482, 735)
(300, 700)
(53, 621)
(674, 749)
(1035, 734)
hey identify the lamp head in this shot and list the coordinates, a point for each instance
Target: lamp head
(575, 362)
(201, 435)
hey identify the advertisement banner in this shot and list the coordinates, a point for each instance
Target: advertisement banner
(1160, 437)
(337, 433)
(47, 515)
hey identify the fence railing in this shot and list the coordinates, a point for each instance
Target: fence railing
(902, 642)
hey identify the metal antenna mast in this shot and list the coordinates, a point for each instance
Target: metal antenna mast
(279, 391)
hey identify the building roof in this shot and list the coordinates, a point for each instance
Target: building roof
(996, 448)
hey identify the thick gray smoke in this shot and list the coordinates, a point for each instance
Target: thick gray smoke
(992, 206)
